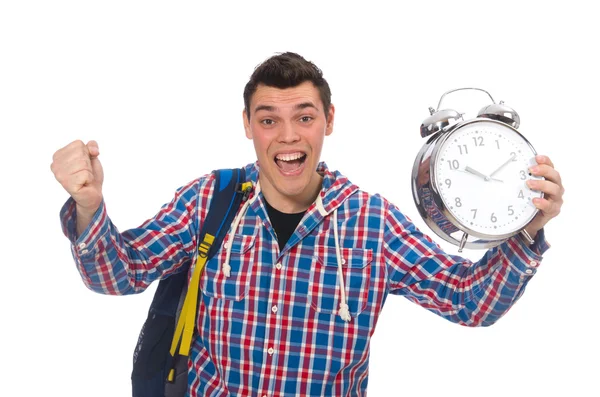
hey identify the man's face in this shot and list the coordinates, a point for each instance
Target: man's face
(288, 127)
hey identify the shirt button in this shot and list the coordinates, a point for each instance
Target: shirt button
(270, 351)
(529, 271)
(533, 263)
(278, 266)
(84, 251)
(343, 261)
(226, 245)
(274, 309)
(82, 246)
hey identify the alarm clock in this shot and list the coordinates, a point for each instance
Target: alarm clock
(469, 180)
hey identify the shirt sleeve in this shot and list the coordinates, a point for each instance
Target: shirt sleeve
(464, 292)
(115, 263)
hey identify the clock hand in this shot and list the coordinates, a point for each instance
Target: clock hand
(477, 173)
(502, 166)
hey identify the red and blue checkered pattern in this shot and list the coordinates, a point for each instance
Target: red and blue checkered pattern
(271, 328)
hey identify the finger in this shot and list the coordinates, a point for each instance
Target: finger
(541, 159)
(67, 150)
(82, 178)
(547, 172)
(80, 164)
(548, 187)
(549, 208)
(93, 149)
(64, 172)
(75, 146)
(72, 151)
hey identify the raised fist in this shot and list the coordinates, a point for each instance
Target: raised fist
(77, 168)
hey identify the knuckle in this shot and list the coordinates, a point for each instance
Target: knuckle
(78, 179)
(75, 145)
(556, 190)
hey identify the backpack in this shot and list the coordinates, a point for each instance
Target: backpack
(161, 354)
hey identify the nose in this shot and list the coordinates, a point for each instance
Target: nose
(287, 133)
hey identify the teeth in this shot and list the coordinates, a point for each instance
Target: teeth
(289, 157)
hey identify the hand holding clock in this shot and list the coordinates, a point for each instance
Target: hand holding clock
(553, 190)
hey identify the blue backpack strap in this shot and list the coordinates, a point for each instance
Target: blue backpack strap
(224, 205)
(152, 360)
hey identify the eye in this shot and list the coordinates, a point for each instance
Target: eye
(267, 122)
(306, 119)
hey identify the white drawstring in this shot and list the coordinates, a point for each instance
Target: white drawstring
(226, 267)
(344, 311)
(320, 207)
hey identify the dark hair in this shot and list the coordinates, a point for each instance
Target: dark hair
(287, 70)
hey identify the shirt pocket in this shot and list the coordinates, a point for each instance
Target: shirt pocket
(235, 287)
(324, 288)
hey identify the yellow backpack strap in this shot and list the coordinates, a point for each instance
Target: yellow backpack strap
(185, 325)
(230, 191)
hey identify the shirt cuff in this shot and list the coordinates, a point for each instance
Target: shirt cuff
(85, 243)
(525, 258)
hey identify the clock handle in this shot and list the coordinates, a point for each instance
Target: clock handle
(527, 237)
(460, 89)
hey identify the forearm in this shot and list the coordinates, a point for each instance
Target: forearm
(479, 294)
(472, 294)
(101, 254)
(117, 263)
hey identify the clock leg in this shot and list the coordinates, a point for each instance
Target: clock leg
(463, 241)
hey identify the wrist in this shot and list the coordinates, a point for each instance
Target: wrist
(86, 211)
(532, 230)
(84, 217)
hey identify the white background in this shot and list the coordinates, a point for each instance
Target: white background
(159, 86)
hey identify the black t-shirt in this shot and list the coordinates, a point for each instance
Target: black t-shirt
(284, 224)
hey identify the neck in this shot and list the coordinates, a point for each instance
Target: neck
(291, 204)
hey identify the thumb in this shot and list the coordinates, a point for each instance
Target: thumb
(93, 149)
(97, 170)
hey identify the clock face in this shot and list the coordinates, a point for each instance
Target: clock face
(481, 171)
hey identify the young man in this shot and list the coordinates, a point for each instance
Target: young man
(289, 304)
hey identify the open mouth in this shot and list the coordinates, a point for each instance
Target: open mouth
(290, 163)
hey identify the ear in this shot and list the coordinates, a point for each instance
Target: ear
(246, 125)
(330, 117)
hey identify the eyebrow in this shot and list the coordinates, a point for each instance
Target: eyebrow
(299, 106)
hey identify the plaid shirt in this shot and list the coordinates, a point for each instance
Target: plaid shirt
(271, 328)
